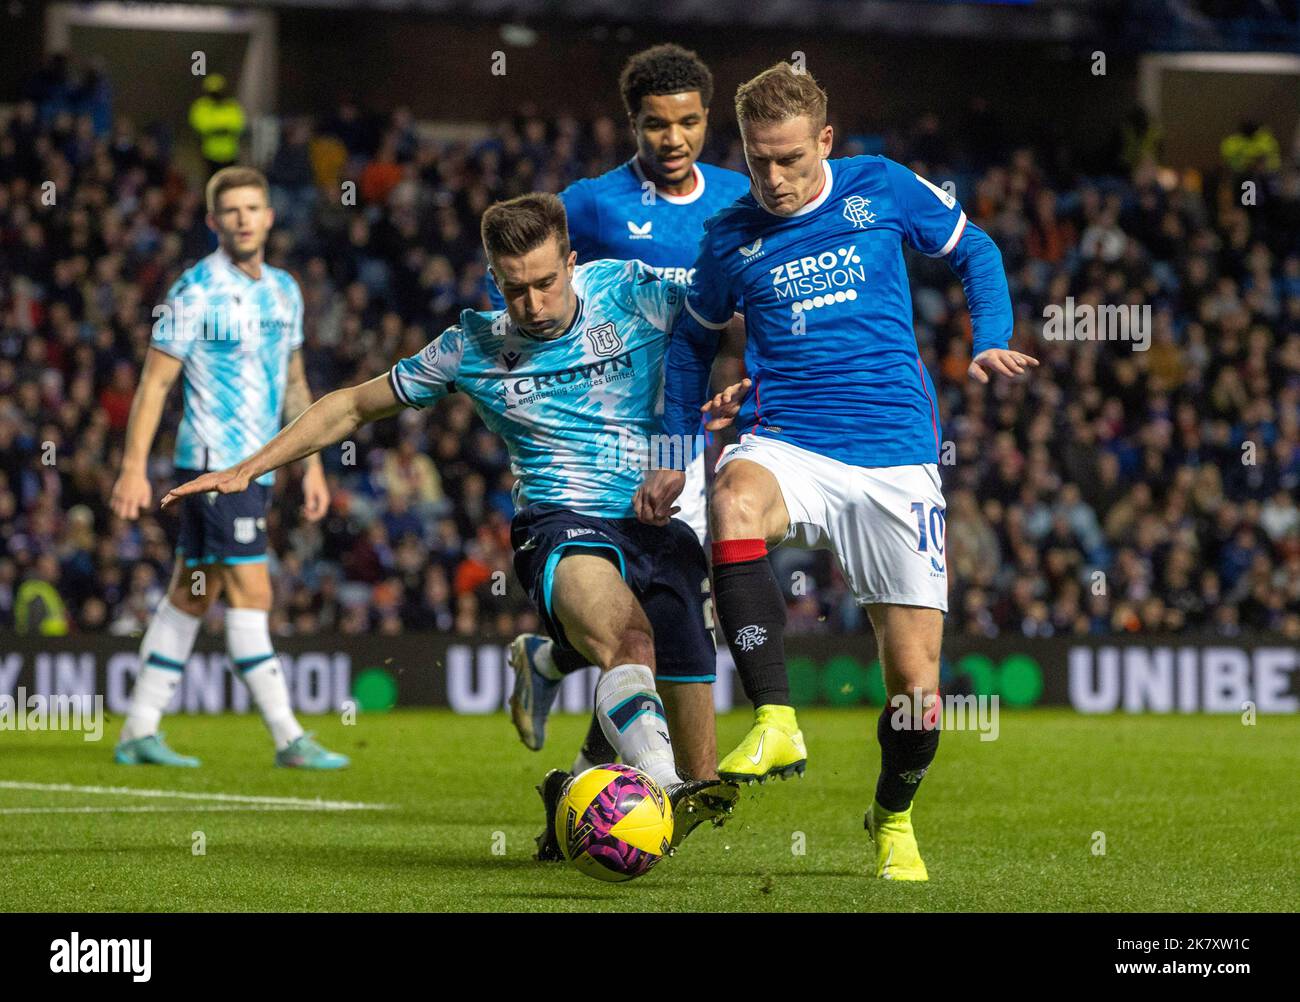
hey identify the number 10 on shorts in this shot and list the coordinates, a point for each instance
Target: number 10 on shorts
(929, 531)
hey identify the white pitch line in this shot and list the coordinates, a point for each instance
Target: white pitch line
(154, 809)
(238, 798)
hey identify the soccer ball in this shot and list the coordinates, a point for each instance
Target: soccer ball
(614, 822)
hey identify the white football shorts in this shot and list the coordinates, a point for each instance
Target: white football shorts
(885, 524)
(694, 508)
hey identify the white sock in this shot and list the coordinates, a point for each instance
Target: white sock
(164, 650)
(581, 764)
(632, 717)
(248, 642)
(545, 662)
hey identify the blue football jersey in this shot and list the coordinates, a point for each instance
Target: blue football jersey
(622, 215)
(828, 314)
(234, 336)
(578, 412)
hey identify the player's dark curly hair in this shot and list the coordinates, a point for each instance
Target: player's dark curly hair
(663, 69)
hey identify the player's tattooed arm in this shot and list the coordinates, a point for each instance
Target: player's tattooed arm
(131, 491)
(297, 398)
(333, 417)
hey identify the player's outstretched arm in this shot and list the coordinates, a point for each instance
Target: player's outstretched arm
(131, 491)
(331, 418)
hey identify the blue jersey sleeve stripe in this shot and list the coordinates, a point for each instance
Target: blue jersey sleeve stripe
(712, 325)
(957, 231)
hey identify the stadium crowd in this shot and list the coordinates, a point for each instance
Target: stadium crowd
(1116, 490)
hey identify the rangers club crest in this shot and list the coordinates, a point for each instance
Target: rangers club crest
(604, 340)
(751, 636)
(857, 213)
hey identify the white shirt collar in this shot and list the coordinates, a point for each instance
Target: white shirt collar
(817, 202)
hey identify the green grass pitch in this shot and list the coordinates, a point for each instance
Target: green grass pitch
(1196, 814)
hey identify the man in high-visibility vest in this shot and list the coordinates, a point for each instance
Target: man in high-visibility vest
(219, 121)
(1252, 147)
(38, 607)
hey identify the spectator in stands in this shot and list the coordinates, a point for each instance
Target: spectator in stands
(292, 179)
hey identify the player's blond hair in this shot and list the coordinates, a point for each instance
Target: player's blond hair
(516, 226)
(235, 177)
(778, 94)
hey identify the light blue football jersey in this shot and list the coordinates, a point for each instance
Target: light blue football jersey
(569, 407)
(234, 337)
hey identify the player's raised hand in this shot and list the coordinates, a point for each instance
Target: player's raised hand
(131, 494)
(1003, 360)
(315, 493)
(230, 481)
(653, 501)
(724, 406)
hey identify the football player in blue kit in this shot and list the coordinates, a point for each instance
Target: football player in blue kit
(573, 365)
(840, 434)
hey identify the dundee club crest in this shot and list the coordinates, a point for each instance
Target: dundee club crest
(604, 340)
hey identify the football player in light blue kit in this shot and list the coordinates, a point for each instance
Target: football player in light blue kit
(651, 208)
(840, 442)
(232, 326)
(571, 371)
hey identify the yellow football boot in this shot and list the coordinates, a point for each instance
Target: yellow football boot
(897, 857)
(773, 747)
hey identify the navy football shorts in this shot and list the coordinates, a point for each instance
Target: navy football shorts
(663, 565)
(223, 528)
